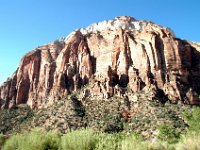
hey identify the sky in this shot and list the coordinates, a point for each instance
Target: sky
(27, 24)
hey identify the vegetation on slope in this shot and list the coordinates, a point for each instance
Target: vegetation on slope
(88, 139)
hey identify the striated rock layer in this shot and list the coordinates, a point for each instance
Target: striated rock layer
(115, 56)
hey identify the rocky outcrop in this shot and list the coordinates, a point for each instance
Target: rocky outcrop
(117, 56)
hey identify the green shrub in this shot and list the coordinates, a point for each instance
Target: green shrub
(37, 139)
(120, 141)
(52, 141)
(79, 140)
(13, 142)
(2, 140)
(192, 118)
(169, 134)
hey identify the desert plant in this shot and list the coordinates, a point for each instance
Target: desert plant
(52, 141)
(169, 134)
(133, 142)
(79, 140)
(120, 141)
(87, 139)
(13, 142)
(192, 118)
(2, 140)
(108, 141)
(37, 139)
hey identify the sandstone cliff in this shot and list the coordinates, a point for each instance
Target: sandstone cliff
(115, 56)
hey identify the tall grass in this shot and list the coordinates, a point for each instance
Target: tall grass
(189, 142)
(85, 139)
(109, 141)
(79, 140)
(37, 139)
(160, 145)
(133, 142)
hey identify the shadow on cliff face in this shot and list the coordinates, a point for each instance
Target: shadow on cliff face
(161, 96)
(194, 78)
(160, 46)
(2, 102)
(94, 61)
(123, 80)
(78, 106)
(191, 62)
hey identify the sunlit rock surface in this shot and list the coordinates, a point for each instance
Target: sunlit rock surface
(116, 56)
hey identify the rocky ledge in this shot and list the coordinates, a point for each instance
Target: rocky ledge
(115, 57)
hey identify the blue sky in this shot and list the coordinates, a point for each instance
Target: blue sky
(26, 24)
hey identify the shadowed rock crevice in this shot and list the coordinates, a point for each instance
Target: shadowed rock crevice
(161, 58)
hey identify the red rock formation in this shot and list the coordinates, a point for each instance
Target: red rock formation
(117, 54)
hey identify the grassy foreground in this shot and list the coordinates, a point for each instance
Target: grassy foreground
(86, 139)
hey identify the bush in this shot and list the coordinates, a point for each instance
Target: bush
(109, 141)
(169, 134)
(192, 118)
(13, 142)
(79, 140)
(52, 141)
(2, 140)
(120, 141)
(37, 139)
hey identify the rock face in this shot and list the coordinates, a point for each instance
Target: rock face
(117, 56)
